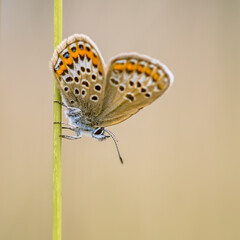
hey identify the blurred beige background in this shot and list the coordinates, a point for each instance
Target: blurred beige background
(180, 180)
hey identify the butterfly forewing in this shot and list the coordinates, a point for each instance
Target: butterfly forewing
(79, 70)
(133, 81)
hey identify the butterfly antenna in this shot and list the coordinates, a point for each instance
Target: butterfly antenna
(115, 141)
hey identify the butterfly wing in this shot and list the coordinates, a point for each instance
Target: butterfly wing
(133, 81)
(79, 70)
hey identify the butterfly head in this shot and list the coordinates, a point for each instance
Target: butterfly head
(98, 133)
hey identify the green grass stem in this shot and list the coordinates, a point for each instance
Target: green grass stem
(57, 129)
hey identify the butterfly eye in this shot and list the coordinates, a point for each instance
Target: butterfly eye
(99, 131)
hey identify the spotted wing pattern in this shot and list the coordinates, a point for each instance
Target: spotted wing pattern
(133, 82)
(79, 70)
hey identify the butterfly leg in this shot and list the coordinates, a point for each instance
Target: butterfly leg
(69, 128)
(71, 109)
(74, 129)
(66, 124)
(61, 103)
(70, 137)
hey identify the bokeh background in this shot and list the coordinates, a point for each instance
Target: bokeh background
(181, 175)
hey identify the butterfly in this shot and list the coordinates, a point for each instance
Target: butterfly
(96, 96)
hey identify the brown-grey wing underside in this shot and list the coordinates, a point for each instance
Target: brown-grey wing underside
(79, 70)
(133, 81)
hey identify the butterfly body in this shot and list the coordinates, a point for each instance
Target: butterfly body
(79, 126)
(97, 96)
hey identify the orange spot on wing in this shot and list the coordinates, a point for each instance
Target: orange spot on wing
(66, 61)
(148, 71)
(100, 68)
(73, 54)
(156, 77)
(130, 67)
(160, 85)
(77, 49)
(163, 83)
(59, 72)
(80, 52)
(89, 54)
(140, 69)
(63, 66)
(95, 60)
(119, 66)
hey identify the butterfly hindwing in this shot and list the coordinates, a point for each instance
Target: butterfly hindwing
(133, 81)
(79, 70)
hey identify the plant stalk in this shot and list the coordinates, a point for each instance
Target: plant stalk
(57, 130)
